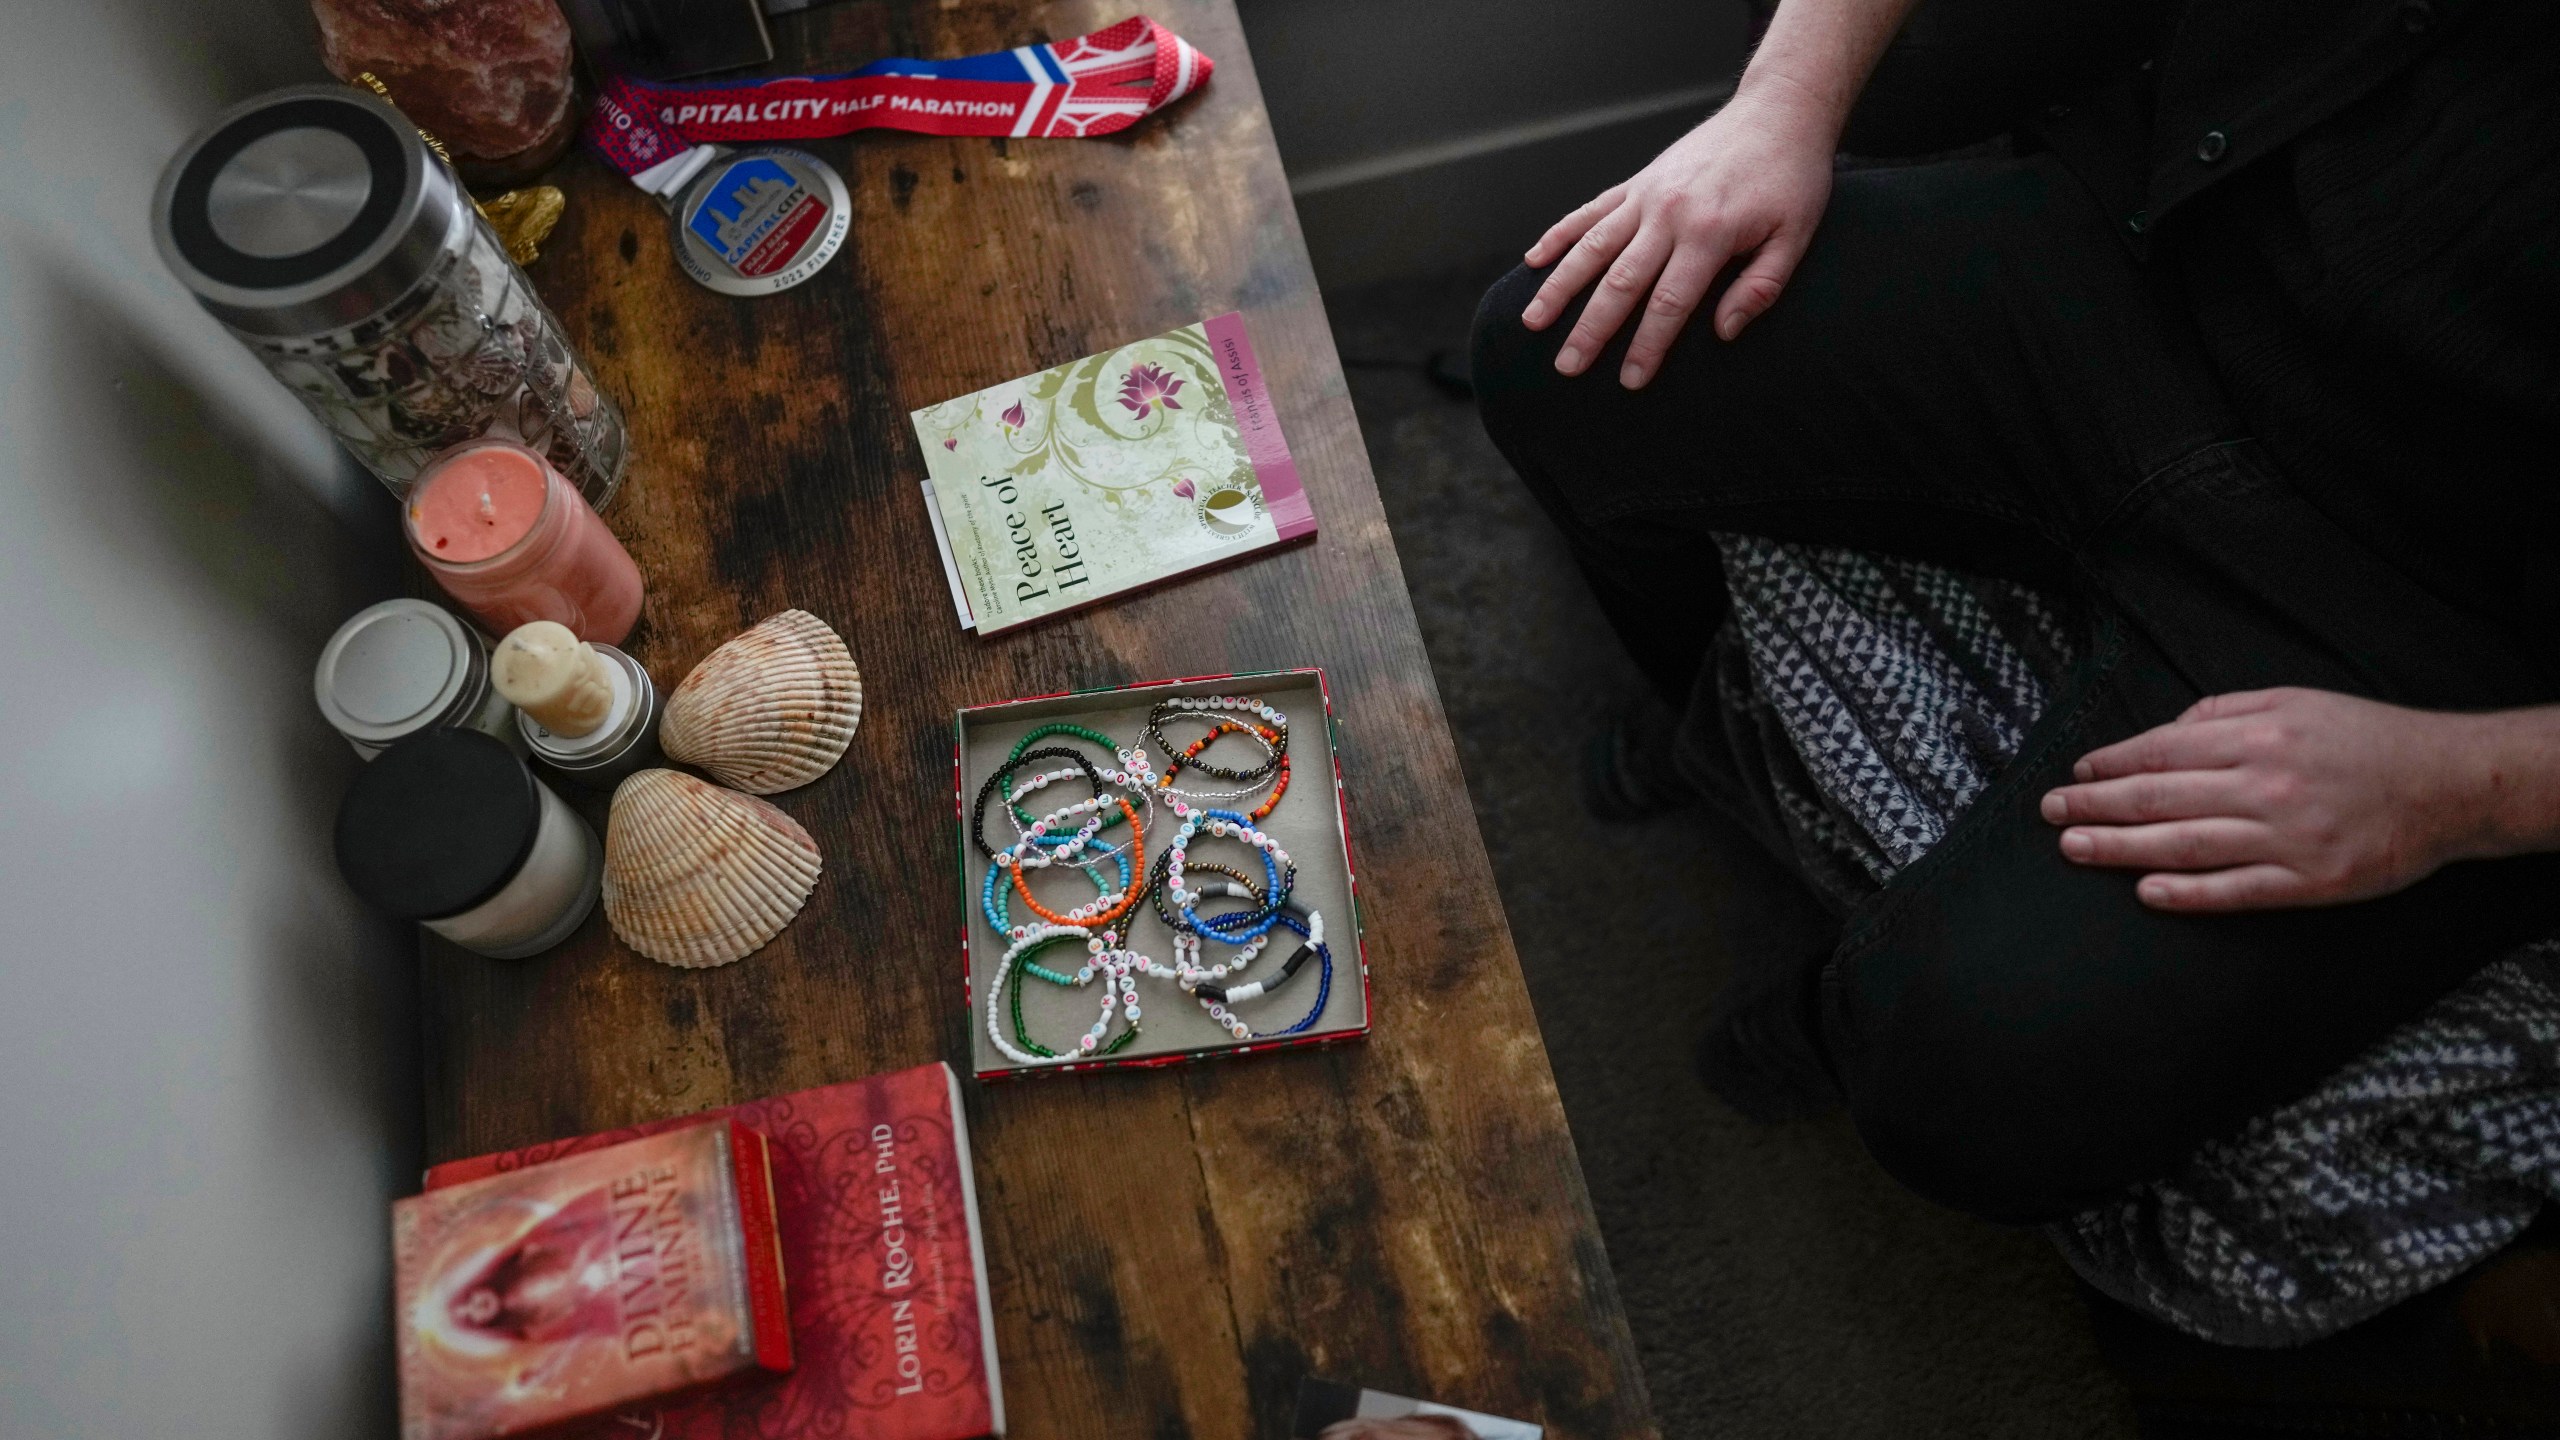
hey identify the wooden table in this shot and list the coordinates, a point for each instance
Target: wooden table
(1404, 1212)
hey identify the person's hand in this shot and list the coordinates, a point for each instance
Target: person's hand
(2272, 798)
(1753, 180)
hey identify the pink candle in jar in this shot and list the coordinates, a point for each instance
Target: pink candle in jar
(512, 541)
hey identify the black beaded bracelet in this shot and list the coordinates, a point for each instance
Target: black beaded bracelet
(1269, 905)
(1167, 709)
(987, 792)
(1164, 909)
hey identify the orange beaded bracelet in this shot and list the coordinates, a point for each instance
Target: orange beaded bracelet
(1089, 918)
(1275, 739)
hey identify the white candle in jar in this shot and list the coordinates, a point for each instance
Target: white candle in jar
(555, 677)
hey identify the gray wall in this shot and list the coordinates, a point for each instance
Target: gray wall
(1423, 134)
(208, 1078)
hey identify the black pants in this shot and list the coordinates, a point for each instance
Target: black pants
(1968, 369)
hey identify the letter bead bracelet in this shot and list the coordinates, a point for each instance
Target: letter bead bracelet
(1272, 741)
(1004, 776)
(1119, 992)
(1169, 709)
(1004, 773)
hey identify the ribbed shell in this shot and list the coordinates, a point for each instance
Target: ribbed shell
(770, 710)
(695, 875)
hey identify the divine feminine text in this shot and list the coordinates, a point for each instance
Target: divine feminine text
(653, 1263)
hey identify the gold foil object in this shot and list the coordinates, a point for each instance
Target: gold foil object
(523, 218)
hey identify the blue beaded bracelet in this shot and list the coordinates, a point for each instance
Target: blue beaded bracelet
(1243, 925)
(997, 900)
(1215, 997)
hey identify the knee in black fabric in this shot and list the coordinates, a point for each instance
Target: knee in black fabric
(1508, 361)
(2023, 1039)
(1960, 1117)
(2018, 1037)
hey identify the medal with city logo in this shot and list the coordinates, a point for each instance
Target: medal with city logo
(761, 220)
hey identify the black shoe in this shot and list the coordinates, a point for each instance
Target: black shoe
(1762, 1052)
(1627, 774)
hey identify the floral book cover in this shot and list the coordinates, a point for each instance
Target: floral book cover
(892, 1329)
(550, 1292)
(1120, 470)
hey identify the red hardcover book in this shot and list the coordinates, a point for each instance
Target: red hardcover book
(890, 1319)
(616, 1274)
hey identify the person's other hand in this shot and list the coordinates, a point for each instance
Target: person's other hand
(1753, 180)
(2265, 799)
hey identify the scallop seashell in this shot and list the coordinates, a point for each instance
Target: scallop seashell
(695, 875)
(770, 710)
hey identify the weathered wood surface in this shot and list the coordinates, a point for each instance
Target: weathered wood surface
(1171, 1251)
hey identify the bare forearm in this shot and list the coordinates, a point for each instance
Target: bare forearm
(2512, 764)
(1818, 54)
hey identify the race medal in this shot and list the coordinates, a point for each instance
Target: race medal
(757, 221)
(752, 222)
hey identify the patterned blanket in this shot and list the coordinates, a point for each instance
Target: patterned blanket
(1900, 690)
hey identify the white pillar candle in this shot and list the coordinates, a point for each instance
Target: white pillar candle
(555, 677)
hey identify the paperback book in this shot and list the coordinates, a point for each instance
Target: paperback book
(1117, 471)
(891, 1325)
(565, 1289)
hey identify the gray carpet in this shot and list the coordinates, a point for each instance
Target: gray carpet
(1777, 1283)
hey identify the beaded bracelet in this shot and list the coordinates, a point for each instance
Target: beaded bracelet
(1031, 853)
(1046, 842)
(987, 792)
(1198, 705)
(1278, 883)
(1227, 823)
(1091, 1042)
(1311, 934)
(1259, 894)
(1035, 850)
(1188, 969)
(1105, 909)
(1278, 779)
(1078, 732)
(1239, 885)
(1274, 741)
(1034, 835)
(1142, 773)
(998, 903)
(1120, 991)
(1217, 999)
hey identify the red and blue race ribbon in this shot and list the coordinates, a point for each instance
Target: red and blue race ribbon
(1091, 85)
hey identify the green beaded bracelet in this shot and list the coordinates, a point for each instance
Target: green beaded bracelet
(1022, 1031)
(1076, 732)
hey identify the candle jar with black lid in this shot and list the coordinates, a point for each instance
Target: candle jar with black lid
(451, 829)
